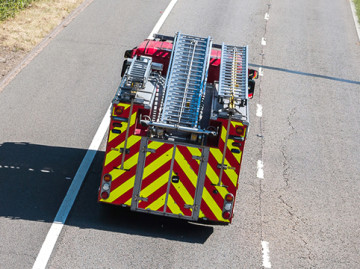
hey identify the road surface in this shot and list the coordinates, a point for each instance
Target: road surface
(297, 204)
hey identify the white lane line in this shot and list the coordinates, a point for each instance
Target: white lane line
(266, 255)
(260, 170)
(267, 16)
(259, 111)
(61, 216)
(263, 41)
(261, 72)
(162, 19)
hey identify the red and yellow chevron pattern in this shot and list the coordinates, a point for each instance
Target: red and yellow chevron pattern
(170, 174)
(122, 179)
(156, 176)
(157, 179)
(214, 193)
(182, 193)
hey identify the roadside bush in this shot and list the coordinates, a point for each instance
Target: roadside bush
(8, 8)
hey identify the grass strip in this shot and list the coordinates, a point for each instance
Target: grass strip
(8, 8)
(357, 6)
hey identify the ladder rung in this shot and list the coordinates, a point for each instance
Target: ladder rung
(185, 82)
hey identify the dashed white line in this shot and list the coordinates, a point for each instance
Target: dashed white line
(61, 216)
(260, 170)
(261, 72)
(259, 110)
(263, 41)
(266, 254)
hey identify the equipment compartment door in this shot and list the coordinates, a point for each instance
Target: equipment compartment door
(184, 180)
(169, 180)
(155, 176)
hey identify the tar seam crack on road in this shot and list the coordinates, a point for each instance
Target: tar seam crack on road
(297, 220)
(285, 163)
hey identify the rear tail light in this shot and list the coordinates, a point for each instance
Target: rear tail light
(229, 198)
(228, 206)
(104, 195)
(107, 177)
(105, 187)
(226, 215)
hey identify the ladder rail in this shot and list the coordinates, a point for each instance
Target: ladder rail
(233, 82)
(140, 69)
(187, 83)
(203, 84)
(164, 97)
(186, 80)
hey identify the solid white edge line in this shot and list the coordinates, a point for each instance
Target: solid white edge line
(64, 210)
(162, 19)
(59, 221)
(260, 171)
(355, 17)
(266, 256)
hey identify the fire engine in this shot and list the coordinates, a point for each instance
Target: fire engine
(178, 127)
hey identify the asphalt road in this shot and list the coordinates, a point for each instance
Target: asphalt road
(305, 207)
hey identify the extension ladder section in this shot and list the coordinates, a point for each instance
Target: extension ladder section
(140, 69)
(233, 73)
(186, 80)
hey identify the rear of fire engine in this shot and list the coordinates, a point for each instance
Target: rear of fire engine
(178, 128)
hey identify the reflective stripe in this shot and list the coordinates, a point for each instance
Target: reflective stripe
(155, 176)
(155, 185)
(173, 206)
(210, 208)
(113, 154)
(158, 204)
(112, 135)
(127, 185)
(122, 179)
(213, 206)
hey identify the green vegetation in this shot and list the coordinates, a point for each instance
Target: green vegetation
(8, 8)
(357, 6)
